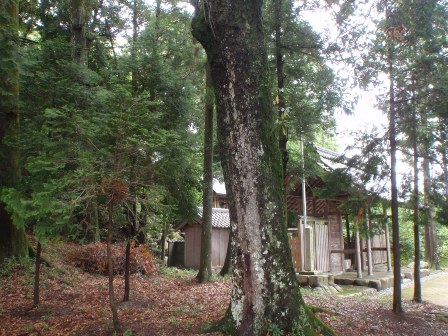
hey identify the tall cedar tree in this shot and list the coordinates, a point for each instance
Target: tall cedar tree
(12, 238)
(264, 287)
(396, 301)
(417, 283)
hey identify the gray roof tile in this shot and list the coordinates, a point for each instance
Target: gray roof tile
(220, 217)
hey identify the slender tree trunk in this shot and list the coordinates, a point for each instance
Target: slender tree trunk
(163, 241)
(37, 275)
(112, 301)
(96, 216)
(205, 264)
(127, 286)
(386, 233)
(358, 253)
(363, 257)
(368, 243)
(396, 301)
(417, 283)
(432, 244)
(445, 156)
(12, 238)
(264, 287)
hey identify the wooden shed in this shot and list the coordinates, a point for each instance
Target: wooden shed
(220, 238)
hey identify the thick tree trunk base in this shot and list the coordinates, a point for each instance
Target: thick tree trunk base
(313, 325)
(13, 242)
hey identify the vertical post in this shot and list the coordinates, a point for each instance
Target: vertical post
(358, 253)
(363, 262)
(369, 243)
(304, 222)
(386, 231)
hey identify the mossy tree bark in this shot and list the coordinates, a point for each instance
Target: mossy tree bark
(12, 238)
(279, 61)
(205, 264)
(264, 287)
(78, 31)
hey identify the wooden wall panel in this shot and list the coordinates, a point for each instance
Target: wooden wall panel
(293, 239)
(336, 243)
(321, 245)
(192, 246)
(192, 252)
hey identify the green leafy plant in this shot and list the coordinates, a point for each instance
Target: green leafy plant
(274, 330)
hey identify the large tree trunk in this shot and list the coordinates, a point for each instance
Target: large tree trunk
(12, 238)
(283, 132)
(396, 301)
(78, 31)
(264, 287)
(205, 264)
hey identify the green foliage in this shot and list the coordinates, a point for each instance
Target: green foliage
(87, 122)
(13, 265)
(274, 330)
(174, 272)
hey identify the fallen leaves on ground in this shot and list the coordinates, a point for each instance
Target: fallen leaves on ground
(76, 303)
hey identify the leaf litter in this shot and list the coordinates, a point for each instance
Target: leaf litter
(76, 303)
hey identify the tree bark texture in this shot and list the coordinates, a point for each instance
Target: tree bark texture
(12, 239)
(283, 131)
(78, 31)
(264, 287)
(205, 263)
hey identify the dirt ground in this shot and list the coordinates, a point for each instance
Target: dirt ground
(434, 290)
(173, 303)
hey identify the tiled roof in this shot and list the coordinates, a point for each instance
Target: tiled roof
(220, 217)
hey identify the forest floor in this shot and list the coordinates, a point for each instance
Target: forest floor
(171, 302)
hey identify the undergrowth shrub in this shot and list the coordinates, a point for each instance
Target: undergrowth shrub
(13, 265)
(93, 258)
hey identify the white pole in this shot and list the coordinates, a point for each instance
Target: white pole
(304, 225)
